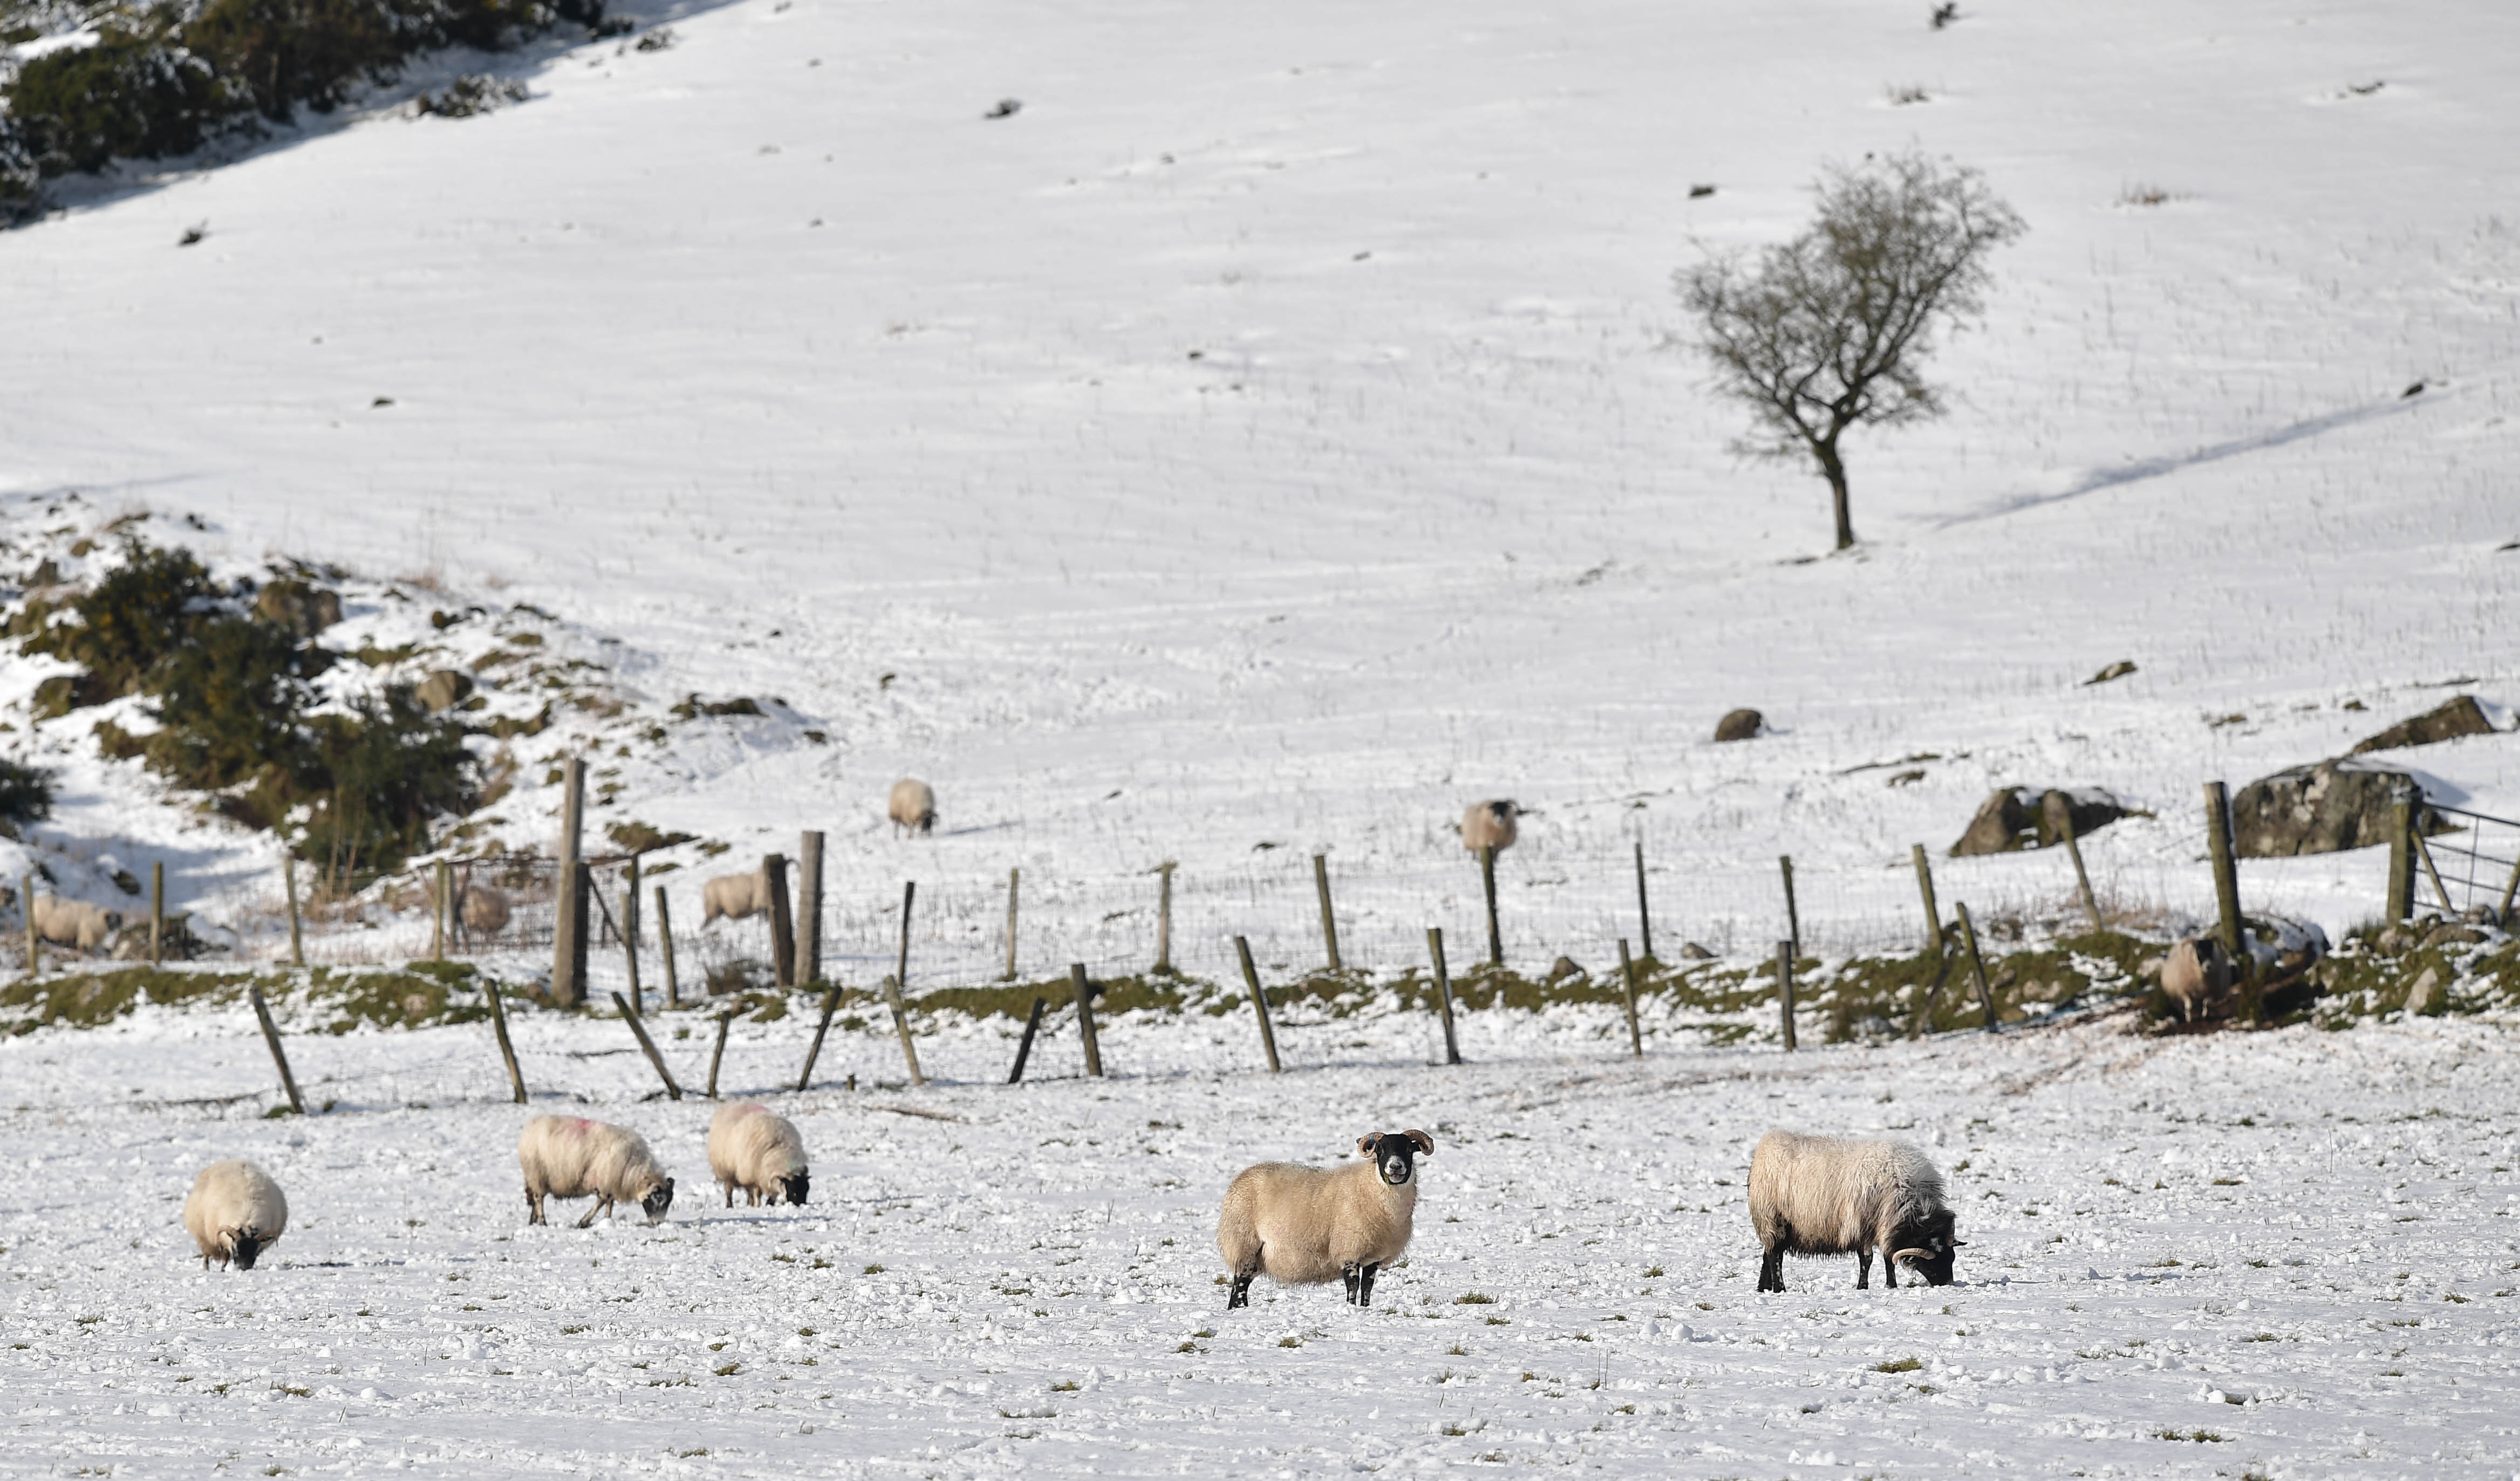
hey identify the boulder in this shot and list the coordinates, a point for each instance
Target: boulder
(1690, 951)
(443, 690)
(1562, 969)
(2323, 808)
(2013, 818)
(1740, 725)
(2425, 995)
(300, 607)
(2461, 716)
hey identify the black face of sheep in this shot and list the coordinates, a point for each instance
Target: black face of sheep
(794, 1188)
(1395, 1153)
(659, 1199)
(1925, 1249)
(245, 1248)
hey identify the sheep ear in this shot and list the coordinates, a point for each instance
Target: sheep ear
(1426, 1144)
(1365, 1143)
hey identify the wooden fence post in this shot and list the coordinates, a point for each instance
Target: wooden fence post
(1259, 1003)
(1014, 887)
(569, 907)
(2226, 894)
(1444, 992)
(899, 987)
(157, 913)
(1785, 987)
(288, 884)
(271, 1037)
(2502, 912)
(2402, 859)
(630, 946)
(2424, 851)
(1023, 1051)
(1925, 887)
(725, 1018)
(814, 1051)
(1329, 917)
(630, 1016)
(1627, 975)
(1645, 911)
(442, 913)
(1164, 918)
(507, 1050)
(665, 948)
(1487, 876)
(581, 924)
(783, 925)
(1793, 917)
(809, 909)
(1085, 1018)
(1977, 964)
(2060, 817)
(35, 940)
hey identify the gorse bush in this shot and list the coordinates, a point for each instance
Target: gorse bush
(135, 94)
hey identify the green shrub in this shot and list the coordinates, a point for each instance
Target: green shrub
(135, 94)
(150, 606)
(229, 703)
(25, 795)
(390, 766)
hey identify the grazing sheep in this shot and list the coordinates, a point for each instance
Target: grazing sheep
(572, 1157)
(1489, 823)
(235, 1213)
(1833, 1195)
(913, 807)
(734, 896)
(2194, 975)
(1307, 1224)
(74, 923)
(483, 909)
(752, 1149)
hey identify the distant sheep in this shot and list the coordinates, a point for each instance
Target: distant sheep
(74, 923)
(572, 1157)
(235, 1213)
(1303, 1226)
(483, 909)
(752, 1149)
(1831, 1195)
(913, 807)
(734, 896)
(1489, 824)
(2194, 975)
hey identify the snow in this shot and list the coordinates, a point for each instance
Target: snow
(1267, 441)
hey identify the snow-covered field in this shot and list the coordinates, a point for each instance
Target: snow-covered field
(2295, 1253)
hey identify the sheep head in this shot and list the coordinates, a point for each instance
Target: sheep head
(1394, 1154)
(245, 1245)
(659, 1198)
(793, 1187)
(1926, 1248)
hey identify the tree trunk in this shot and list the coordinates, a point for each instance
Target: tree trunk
(1835, 472)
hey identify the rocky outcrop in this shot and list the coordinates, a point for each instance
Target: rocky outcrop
(2461, 716)
(1740, 725)
(301, 608)
(443, 690)
(2015, 818)
(2323, 808)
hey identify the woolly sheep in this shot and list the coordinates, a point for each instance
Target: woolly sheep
(74, 923)
(752, 1149)
(1304, 1225)
(235, 1213)
(1489, 823)
(1833, 1196)
(483, 909)
(2194, 974)
(912, 806)
(572, 1157)
(734, 896)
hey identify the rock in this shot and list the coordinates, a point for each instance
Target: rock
(2461, 716)
(2425, 995)
(2013, 819)
(1690, 951)
(443, 690)
(1561, 969)
(131, 942)
(2117, 670)
(300, 607)
(2323, 808)
(2449, 934)
(1740, 724)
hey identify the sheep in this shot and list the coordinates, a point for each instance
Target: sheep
(74, 923)
(1490, 825)
(572, 1157)
(235, 1213)
(483, 909)
(1307, 1224)
(734, 896)
(754, 1150)
(913, 807)
(1833, 1195)
(2194, 975)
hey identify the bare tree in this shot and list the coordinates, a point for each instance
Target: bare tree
(1829, 330)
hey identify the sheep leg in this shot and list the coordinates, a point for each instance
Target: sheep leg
(1889, 1268)
(1864, 1270)
(600, 1205)
(1351, 1273)
(534, 1207)
(730, 1193)
(1771, 1269)
(1365, 1284)
(1240, 1295)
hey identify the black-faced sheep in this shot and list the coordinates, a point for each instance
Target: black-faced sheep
(754, 1150)
(74, 923)
(2194, 975)
(572, 1157)
(1489, 823)
(734, 896)
(1303, 1226)
(235, 1213)
(911, 806)
(1833, 1195)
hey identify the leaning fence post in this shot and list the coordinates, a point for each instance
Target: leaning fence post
(157, 913)
(808, 928)
(814, 1051)
(506, 1051)
(725, 1017)
(1645, 913)
(1793, 917)
(1487, 876)
(1627, 975)
(898, 988)
(2424, 851)
(1023, 1051)
(783, 925)
(630, 1016)
(1977, 964)
(665, 948)
(288, 883)
(2502, 912)
(2060, 817)
(1015, 886)
(2226, 894)
(1329, 917)
(271, 1036)
(1164, 918)
(1085, 1020)
(1444, 992)
(1259, 1003)
(1925, 887)
(1785, 985)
